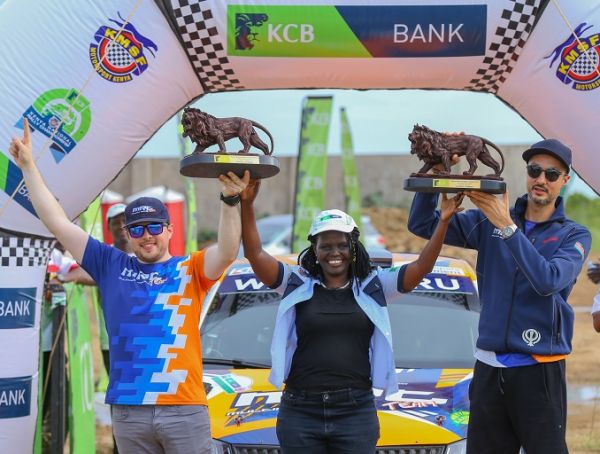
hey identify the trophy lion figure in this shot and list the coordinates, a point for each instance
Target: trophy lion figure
(434, 147)
(206, 130)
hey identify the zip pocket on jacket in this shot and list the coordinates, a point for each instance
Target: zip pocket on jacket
(556, 319)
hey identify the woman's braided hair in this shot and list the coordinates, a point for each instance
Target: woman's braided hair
(360, 266)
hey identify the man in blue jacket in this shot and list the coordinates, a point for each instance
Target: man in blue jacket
(528, 260)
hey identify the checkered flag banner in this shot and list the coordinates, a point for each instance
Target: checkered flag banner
(197, 28)
(24, 252)
(504, 50)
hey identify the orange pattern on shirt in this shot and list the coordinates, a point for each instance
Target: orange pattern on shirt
(189, 358)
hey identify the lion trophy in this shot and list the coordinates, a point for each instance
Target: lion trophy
(435, 148)
(206, 130)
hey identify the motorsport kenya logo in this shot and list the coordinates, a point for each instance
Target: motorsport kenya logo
(117, 57)
(579, 60)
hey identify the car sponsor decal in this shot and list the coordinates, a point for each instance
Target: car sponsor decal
(435, 282)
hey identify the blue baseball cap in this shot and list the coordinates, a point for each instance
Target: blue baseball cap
(146, 209)
(551, 147)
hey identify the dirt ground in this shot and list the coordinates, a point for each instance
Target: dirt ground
(583, 365)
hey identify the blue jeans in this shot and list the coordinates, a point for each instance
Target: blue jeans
(343, 421)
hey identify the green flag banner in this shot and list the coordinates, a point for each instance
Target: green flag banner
(91, 221)
(191, 232)
(37, 441)
(311, 170)
(82, 418)
(351, 184)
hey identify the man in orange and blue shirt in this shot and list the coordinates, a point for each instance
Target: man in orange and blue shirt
(528, 260)
(152, 303)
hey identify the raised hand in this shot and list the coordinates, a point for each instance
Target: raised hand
(249, 194)
(496, 209)
(451, 205)
(20, 149)
(232, 185)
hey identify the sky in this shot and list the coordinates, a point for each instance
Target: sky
(380, 120)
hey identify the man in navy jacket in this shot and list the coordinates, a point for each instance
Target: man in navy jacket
(528, 260)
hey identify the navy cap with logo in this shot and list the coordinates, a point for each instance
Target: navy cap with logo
(146, 209)
(550, 147)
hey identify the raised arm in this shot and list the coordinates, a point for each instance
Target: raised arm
(219, 256)
(47, 208)
(264, 265)
(546, 275)
(416, 271)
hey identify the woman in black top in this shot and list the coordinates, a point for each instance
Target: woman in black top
(333, 312)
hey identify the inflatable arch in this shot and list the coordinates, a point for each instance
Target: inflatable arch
(97, 79)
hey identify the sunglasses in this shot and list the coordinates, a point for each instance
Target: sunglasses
(137, 231)
(552, 174)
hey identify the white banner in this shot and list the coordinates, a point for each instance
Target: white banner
(22, 270)
(337, 44)
(556, 86)
(95, 80)
(107, 74)
(495, 46)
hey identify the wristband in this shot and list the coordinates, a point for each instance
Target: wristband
(231, 200)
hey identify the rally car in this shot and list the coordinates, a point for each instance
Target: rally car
(434, 331)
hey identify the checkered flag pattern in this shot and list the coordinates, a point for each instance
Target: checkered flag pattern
(586, 63)
(24, 252)
(205, 49)
(118, 56)
(504, 50)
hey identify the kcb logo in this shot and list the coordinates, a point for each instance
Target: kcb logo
(250, 30)
(291, 33)
(246, 26)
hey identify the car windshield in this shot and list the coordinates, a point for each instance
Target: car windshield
(272, 227)
(430, 330)
(268, 232)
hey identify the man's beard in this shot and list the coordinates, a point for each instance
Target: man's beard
(542, 202)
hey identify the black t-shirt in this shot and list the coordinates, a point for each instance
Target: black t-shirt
(333, 343)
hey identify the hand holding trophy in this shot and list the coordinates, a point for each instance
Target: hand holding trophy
(206, 130)
(436, 150)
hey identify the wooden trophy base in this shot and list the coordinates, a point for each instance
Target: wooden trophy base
(211, 165)
(419, 182)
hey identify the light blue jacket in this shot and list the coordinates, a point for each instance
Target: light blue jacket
(298, 286)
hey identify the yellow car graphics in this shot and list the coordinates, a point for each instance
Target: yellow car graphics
(243, 407)
(434, 332)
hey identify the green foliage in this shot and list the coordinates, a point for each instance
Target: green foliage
(586, 212)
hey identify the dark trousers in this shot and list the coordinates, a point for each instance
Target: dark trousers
(518, 406)
(343, 422)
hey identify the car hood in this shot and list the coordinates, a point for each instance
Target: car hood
(431, 407)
